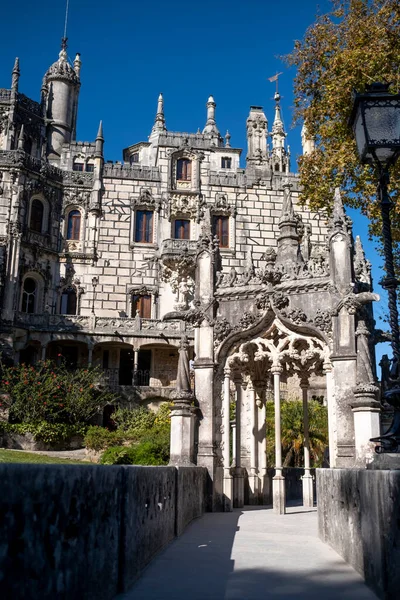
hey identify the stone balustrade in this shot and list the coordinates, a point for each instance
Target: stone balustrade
(93, 324)
(122, 171)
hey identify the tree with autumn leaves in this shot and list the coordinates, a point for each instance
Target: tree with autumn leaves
(354, 45)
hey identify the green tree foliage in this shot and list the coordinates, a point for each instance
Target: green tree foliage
(357, 43)
(292, 427)
(51, 393)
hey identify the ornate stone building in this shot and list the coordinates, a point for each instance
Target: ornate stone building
(178, 251)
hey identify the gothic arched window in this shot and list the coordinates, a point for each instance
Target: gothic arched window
(184, 169)
(36, 218)
(74, 225)
(68, 302)
(29, 295)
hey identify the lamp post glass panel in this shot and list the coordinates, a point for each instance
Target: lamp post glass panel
(95, 281)
(375, 121)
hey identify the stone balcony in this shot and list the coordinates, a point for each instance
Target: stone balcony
(91, 324)
(173, 251)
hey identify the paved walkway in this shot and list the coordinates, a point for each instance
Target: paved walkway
(250, 554)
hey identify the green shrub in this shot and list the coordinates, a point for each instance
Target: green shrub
(117, 455)
(148, 452)
(49, 433)
(52, 393)
(137, 420)
(100, 438)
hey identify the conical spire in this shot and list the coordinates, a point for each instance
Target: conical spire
(227, 139)
(100, 140)
(211, 125)
(338, 215)
(278, 130)
(15, 75)
(159, 123)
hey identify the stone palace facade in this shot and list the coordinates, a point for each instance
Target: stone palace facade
(178, 250)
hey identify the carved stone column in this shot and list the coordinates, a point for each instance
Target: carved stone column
(181, 451)
(307, 481)
(238, 480)
(228, 488)
(253, 471)
(278, 482)
(366, 412)
(331, 405)
(262, 449)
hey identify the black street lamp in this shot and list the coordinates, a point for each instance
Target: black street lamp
(375, 120)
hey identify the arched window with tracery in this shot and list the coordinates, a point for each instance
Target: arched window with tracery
(36, 217)
(29, 295)
(74, 225)
(68, 302)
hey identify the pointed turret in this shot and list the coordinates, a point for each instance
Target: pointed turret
(99, 141)
(227, 139)
(340, 246)
(77, 64)
(60, 92)
(288, 254)
(15, 76)
(257, 131)
(159, 123)
(211, 125)
(280, 157)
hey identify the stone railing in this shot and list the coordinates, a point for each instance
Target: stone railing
(93, 324)
(121, 171)
(195, 140)
(118, 517)
(175, 246)
(237, 179)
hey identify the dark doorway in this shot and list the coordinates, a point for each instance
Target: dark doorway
(144, 366)
(107, 417)
(125, 367)
(70, 355)
(28, 355)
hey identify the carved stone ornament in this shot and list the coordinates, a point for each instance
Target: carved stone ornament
(76, 197)
(222, 205)
(222, 328)
(146, 200)
(189, 205)
(323, 320)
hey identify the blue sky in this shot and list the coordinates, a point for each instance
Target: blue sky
(132, 50)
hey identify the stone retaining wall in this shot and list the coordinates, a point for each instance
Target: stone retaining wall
(71, 531)
(358, 515)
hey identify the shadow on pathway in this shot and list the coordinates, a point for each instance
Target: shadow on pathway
(250, 554)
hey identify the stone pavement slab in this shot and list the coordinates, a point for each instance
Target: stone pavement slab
(250, 554)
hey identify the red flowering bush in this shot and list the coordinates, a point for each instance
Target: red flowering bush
(46, 392)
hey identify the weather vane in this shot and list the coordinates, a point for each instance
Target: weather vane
(275, 78)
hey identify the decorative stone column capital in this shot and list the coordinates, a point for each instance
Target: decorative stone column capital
(227, 372)
(365, 398)
(276, 370)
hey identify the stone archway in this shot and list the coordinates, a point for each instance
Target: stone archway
(251, 366)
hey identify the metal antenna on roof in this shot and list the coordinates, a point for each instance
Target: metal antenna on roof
(66, 19)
